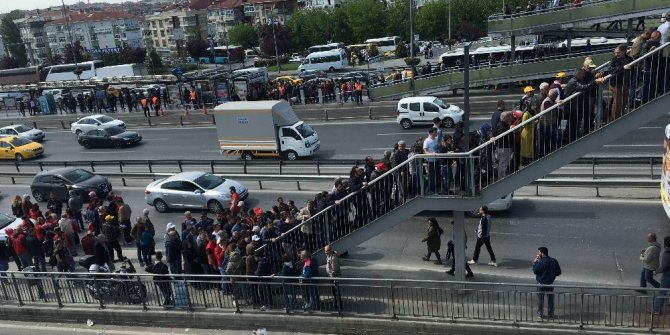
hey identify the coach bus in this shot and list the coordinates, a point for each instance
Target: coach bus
(66, 71)
(326, 47)
(385, 43)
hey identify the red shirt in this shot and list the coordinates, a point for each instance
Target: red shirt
(234, 200)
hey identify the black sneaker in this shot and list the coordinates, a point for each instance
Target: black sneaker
(450, 272)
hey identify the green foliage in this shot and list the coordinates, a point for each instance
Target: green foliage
(244, 35)
(412, 61)
(366, 18)
(155, 60)
(311, 27)
(397, 20)
(197, 47)
(400, 50)
(11, 36)
(430, 20)
(74, 53)
(283, 35)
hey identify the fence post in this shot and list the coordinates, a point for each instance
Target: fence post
(55, 286)
(120, 166)
(181, 120)
(16, 287)
(62, 124)
(188, 296)
(581, 309)
(287, 302)
(180, 167)
(326, 111)
(211, 166)
(281, 165)
(213, 120)
(35, 124)
(370, 113)
(149, 120)
(298, 183)
(394, 317)
(318, 168)
(144, 300)
(338, 298)
(101, 297)
(151, 169)
(260, 184)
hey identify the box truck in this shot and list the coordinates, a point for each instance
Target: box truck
(263, 129)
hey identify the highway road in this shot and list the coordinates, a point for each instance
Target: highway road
(339, 140)
(597, 241)
(29, 328)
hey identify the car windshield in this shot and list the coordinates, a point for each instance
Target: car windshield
(441, 103)
(5, 220)
(208, 181)
(18, 141)
(77, 176)
(22, 129)
(114, 131)
(305, 130)
(104, 119)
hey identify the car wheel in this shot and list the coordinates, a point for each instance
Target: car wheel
(77, 132)
(38, 196)
(405, 123)
(18, 158)
(214, 207)
(291, 155)
(332, 69)
(160, 205)
(118, 145)
(86, 144)
(247, 156)
(448, 122)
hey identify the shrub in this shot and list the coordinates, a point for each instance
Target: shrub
(412, 61)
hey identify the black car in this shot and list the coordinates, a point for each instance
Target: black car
(353, 76)
(312, 74)
(62, 181)
(112, 137)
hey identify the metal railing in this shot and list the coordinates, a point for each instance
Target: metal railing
(549, 9)
(543, 133)
(498, 303)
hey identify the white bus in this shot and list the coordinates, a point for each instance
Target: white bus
(325, 61)
(326, 47)
(65, 71)
(385, 43)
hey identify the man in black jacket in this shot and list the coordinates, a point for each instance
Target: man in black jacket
(619, 83)
(578, 107)
(173, 251)
(161, 278)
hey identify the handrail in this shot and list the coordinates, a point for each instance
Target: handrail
(418, 159)
(564, 7)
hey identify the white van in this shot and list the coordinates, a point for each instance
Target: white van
(422, 110)
(325, 61)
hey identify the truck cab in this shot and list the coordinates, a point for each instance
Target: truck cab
(298, 140)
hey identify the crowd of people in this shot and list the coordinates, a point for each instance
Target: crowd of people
(348, 90)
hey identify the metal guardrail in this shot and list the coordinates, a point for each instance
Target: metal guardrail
(501, 304)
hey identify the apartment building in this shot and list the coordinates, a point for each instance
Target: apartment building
(261, 12)
(167, 31)
(98, 32)
(34, 37)
(222, 16)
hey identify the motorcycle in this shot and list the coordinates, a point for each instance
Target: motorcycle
(118, 288)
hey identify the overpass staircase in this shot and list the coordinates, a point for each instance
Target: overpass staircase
(454, 78)
(566, 17)
(405, 190)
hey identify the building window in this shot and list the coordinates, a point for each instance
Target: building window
(153, 24)
(164, 44)
(160, 24)
(162, 33)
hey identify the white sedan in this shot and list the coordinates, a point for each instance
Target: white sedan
(23, 131)
(8, 221)
(97, 121)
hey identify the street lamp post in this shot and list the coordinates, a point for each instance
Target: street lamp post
(274, 35)
(449, 37)
(77, 71)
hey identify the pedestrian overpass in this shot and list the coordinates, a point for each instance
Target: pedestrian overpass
(454, 78)
(591, 12)
(406, 190)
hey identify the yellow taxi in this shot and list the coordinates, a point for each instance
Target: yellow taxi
(18, 148)
(290, 79)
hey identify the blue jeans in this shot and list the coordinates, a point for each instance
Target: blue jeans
(432, 176)
(660, 296)
(446, 177)
(549, 291)
(647, 275)
(4, 266)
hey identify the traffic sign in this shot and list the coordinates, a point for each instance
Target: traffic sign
(178, 71)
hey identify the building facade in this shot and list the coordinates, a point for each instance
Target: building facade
(98, 32)
(34, 38)
(167, 32)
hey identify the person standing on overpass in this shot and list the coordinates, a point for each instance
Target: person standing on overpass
(650, 262)
(546, 269)
(483, 237)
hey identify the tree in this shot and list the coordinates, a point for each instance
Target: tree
(470, 31)
(74, 53)
(11, 36)
(155, 60)
(137, 55)
(430, 20)
(340, 28)
(283, 34)
(366, 18)
(311, 27)
(8, 63)
(397, 20)
(244, 35)
(53, 59)
(197, 48)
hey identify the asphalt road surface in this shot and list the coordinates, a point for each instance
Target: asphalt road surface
(339, 140)
(29, 328)
(596, 240)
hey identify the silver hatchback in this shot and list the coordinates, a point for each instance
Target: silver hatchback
(193, 189)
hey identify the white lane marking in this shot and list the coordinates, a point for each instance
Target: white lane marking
(651, 128)
(391, 134)
(155, 139)
(632, 145)
(104, 152)
(348, 123)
